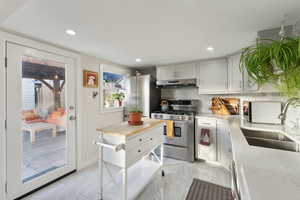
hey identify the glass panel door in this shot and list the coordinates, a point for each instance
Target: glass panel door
(43, 115)
(40, 102)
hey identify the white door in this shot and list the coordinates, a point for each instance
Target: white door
(40, 118)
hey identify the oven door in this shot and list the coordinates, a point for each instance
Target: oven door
(180, 134)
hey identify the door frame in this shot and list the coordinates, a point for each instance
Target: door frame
(46, 47)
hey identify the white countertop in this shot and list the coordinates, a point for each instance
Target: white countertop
(268, 174)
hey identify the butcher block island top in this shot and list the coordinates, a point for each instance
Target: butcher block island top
(125, 130)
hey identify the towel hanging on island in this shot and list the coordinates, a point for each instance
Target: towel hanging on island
(170, 128)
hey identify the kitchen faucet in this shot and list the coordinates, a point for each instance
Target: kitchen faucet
(282, 116)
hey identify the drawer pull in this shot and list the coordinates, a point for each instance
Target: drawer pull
(139, 151)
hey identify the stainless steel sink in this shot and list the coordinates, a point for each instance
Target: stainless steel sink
(271, 140)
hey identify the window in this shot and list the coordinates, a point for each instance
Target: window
(114, 91)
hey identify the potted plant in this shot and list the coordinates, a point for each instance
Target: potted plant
(275, 62)
(135, 117)
(119, 97)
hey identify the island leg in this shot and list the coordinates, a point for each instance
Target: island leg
(124, 184)
(162, 159)
(101, 169)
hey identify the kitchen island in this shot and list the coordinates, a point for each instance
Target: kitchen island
(130, 148)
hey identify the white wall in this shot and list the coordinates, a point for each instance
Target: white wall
(90, 114)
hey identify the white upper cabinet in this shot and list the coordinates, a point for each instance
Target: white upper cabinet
(251, 87)
(235, 76)
(213, 76)
(185, 71)
(177, 71)
(165, 72)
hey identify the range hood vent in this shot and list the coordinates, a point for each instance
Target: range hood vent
(177, 83)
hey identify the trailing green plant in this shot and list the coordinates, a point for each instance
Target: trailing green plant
(275, 62)
(256, 60)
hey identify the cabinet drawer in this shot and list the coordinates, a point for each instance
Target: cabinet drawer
(137, 153)
(136, 140)
(148, 136)
(156, 139)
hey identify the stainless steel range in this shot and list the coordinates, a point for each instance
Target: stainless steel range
(182, 145)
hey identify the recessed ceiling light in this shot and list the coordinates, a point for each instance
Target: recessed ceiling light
(210, 48)
(138, 60)
(70, 32)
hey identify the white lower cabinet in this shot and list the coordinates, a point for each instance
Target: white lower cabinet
(218, 147)
(224, 152)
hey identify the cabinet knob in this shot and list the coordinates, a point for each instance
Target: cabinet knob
(139, 151)
(151, 138)
(141, 139)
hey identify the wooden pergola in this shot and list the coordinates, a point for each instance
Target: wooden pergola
(42, 72)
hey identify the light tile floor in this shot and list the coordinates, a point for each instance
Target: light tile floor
(44, 154)
(83, 185)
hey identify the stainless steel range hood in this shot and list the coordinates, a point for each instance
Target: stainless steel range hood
(177, 83)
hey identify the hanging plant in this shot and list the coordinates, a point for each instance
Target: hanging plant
(257, 61)
(275, 62)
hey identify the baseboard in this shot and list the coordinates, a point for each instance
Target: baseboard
(88, 163)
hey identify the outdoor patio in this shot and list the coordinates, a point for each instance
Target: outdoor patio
(45, 154)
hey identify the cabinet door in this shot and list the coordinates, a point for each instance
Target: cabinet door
(165, 72)
(185, 71)
(235, 83)
(213, 77)
(224, 144)
(249, 85)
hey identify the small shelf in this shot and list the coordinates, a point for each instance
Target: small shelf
(139, 175)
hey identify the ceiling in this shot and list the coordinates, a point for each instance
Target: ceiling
(157, 31)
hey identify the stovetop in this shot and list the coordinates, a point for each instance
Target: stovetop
(176, 115)
(175, 112)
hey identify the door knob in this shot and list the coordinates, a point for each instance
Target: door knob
(72, 118)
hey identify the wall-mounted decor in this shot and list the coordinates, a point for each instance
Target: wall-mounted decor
(90, 79)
